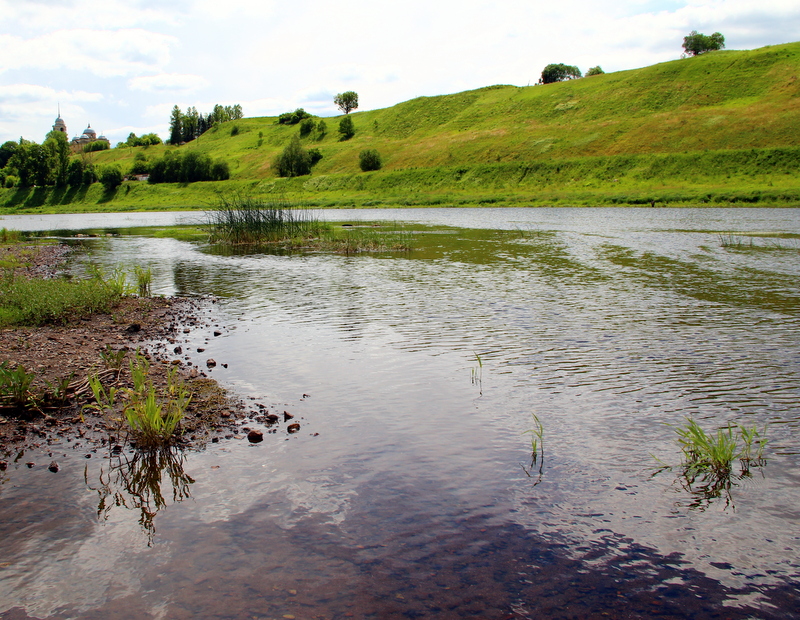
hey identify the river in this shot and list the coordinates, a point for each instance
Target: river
(410, 490)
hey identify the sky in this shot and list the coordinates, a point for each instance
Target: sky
(121, 65)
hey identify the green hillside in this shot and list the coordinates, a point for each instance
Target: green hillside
(722, 127)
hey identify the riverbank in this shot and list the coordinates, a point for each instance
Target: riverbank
(66, 355)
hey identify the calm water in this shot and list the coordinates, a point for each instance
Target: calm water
(409, 491)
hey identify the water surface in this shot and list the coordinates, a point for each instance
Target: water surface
(408, 491)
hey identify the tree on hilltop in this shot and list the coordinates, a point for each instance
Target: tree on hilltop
(347, 101)
(595, 71)
(696, 43)
(559, 72)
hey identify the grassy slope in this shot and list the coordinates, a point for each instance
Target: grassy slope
(682, 131)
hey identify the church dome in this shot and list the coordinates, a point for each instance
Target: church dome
(91, 133)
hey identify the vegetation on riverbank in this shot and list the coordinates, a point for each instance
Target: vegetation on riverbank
(722, 128)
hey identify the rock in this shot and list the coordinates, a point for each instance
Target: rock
(53, 467)
(216, 333)
(272, 418)
(133, 328)
(255, 436)
(177, 350)
(30, 464)
(224, 365)
(200, 349)
(211, 362)
(293, 428)
(287, 416)
(3, 465)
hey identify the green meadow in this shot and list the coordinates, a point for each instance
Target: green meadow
(718, 129)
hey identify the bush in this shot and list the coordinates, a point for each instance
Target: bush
(315, 156)
(140, 165)
(559, 72)
(322, 129)
(220, 171)
(306, 127)
(369, 159)
(11, 181)
(235, 130)
(111, 178)
(346, 128)
(294, 161)
(595, 71)
(292, 118)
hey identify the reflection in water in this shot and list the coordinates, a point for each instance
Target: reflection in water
(136, 484)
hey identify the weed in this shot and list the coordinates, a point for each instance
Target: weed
(144, 278)
(706, 470)
(15, 386)
(154, 421)
(113, 359)
(537, 448)
(58, 391)
(477, 374)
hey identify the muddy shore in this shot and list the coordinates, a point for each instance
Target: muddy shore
(73, 351)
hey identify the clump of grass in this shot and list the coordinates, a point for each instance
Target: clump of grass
(153, 420)
(477, 374)
(240, 220)
(15, 384)
(144, 278)
(706, 470)
(9, 236)
(26, 301)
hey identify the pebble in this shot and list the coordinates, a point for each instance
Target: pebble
(211, 362)
(255, 436)
(293, 428)
(53, 467)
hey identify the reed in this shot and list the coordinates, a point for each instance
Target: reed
(144, 278)
(242, 220)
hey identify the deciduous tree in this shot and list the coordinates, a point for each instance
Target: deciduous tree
(346, 101)
(696, 43)
(559, 72)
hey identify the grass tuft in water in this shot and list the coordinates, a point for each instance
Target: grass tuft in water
(239, 220)
(706, 470)
(153, 420)
(537, 449)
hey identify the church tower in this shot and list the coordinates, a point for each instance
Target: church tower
(60, 125)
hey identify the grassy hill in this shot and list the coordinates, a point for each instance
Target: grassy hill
(722, 127)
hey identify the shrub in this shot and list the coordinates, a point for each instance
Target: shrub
(235, 130)
(140, 165)
(369, 159)
(11, 181)
(595, 71)
(220, 171)
(322, 129)
(294, 161)
(292, 118)
(346, 128)
(315, 156)
(111, 178)
(306, 127)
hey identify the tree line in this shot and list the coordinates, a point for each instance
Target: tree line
(186, 126)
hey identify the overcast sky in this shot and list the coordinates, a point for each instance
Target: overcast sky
(122, 65)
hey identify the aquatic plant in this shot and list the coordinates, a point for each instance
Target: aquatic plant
(477, 373)
(239, 219)
(706, 469)
(113, 359)
(144, 278)
(153, 420)
(537, 448)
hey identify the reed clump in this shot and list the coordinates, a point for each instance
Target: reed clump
(242, 220)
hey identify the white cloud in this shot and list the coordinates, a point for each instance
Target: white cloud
(102, 53)
(170, 82)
